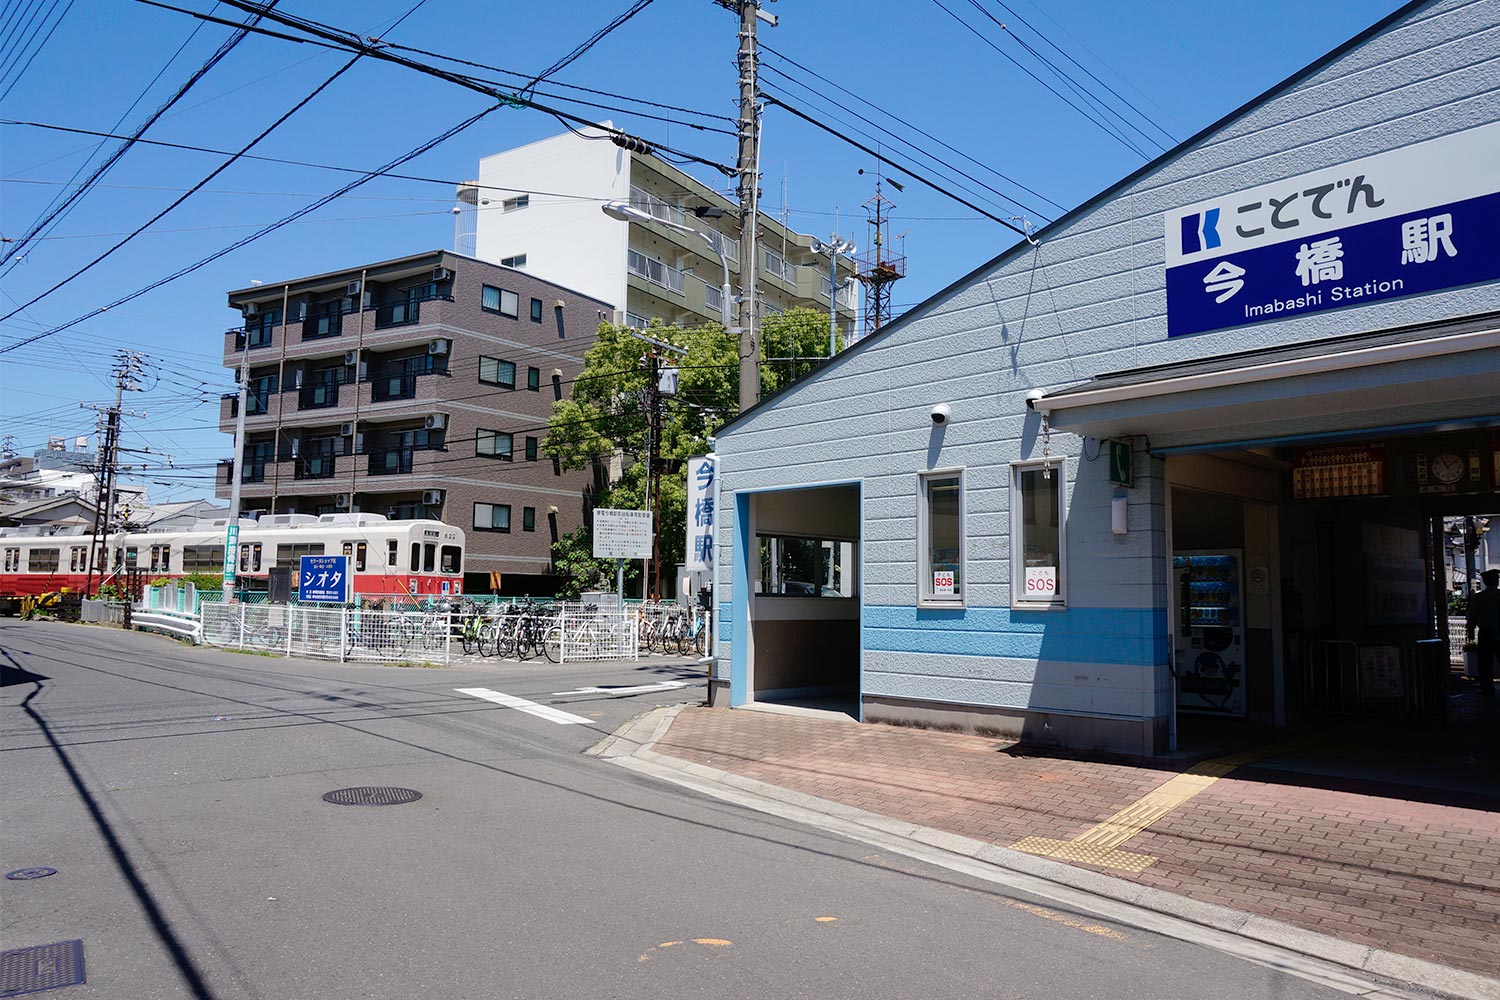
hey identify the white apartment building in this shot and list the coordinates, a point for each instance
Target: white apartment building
(538, 207)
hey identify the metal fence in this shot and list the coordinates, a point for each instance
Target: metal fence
(335, 634)
(586, 632)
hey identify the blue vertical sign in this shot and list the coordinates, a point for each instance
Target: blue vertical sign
(700, 514)
(323, 580)
(1407, 221)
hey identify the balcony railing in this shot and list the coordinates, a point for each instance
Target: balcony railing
(730, 248)
(316, 466)
(327, 321)
(396, 314)
(252, 339)
(846, 291)
(657, 208)
(713, 296)
(778, 266)
(390, 461)
(655, 271)
(318, 395)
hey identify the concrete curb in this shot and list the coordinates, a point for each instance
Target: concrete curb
(1260, 938)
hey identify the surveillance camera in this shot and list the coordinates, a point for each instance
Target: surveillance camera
(940, 414)
(1034, 397)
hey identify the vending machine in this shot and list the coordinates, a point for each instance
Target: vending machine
(1208, 637)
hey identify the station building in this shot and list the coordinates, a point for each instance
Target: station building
(1184, 454)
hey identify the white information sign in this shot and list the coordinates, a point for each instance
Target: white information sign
(700, 515)
(942, 583)
(1041, 582)
(622, 534)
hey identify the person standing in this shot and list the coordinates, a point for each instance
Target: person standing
(1484, 619)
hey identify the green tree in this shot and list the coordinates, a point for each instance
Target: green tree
(605, 414)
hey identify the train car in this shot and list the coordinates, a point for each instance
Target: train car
(421, 558)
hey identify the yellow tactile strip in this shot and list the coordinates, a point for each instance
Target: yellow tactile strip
(1099, 844)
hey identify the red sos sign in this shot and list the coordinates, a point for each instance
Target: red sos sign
(1041, 581)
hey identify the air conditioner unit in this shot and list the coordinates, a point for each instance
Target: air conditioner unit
(351, 357)
(341, 501)
(432, 497)
(436, 422)
(346, 429)
(250, 309)
(353, 288)
(439, 346)
(441, 274)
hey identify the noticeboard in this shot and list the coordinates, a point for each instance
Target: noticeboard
(324, 580)
(622, 534)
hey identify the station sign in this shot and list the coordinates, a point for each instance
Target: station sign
(323, 580)
(622, 534)
(1404, 222)
(699, 554)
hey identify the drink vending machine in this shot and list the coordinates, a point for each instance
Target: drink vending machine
(1209, 633)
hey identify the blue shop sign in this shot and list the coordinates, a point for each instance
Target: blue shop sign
(324, 580)
(1411, 220)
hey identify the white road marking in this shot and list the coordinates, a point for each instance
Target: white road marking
(529, 707)
(638, 689)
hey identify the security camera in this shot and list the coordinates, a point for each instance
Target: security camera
(940, 414)
(1034, 397)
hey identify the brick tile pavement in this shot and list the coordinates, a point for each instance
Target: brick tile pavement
(1415, 878)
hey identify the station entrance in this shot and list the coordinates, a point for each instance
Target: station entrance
(1314, 580)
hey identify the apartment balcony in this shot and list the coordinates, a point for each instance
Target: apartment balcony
(323, 465)
(654, 271)
(320, 395)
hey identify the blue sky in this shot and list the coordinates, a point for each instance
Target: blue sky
(1184, 64)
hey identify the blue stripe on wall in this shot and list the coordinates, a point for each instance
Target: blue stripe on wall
(1077, 635)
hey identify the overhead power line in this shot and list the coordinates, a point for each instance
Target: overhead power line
(223, 50)
(40, 46)
(314, 206)
(192, 190)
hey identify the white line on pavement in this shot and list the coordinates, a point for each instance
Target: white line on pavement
(529, 707)
(638, 689)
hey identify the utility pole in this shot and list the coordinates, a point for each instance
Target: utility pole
(236, 471)
(127, 367)
(748, 167)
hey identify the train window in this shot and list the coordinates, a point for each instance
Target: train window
(360, 551)
(77, 559)
(288, 554)
(132, 555)
(452, 559)
(255, 558)
(42, 560)
(392, 551)
(245, 558)
(202, 558)
(416, 556)
(429, 557)
(119, 558)
(12, 560)
(161, 558)
(347, 549)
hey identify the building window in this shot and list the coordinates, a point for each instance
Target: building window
(489, 298)
(536, 310)
(518, 261)
(493, 444)
(493, 371)
(1038, 573)
(498, 300)
(510, 304)
(515, 204)
(492, 517)
(531, 449)
(940, 534)
(534, 379)
(528, 518)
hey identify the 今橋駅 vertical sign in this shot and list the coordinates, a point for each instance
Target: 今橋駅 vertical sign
(1410, 220)
(699, 553)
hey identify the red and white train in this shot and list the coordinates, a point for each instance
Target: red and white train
(420, 558)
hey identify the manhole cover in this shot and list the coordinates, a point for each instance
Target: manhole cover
(44, 967)
(372, 796)
(21, 874)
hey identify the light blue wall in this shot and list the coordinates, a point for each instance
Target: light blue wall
(1090, 299)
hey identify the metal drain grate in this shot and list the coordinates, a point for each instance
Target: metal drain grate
(22, 874)
(44, 967)
(372, 796)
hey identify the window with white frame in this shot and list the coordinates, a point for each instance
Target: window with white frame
(493, 444)
(518, 261)
(1038, 572)
(940, 537)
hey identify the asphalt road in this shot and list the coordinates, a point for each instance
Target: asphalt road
(178, 793)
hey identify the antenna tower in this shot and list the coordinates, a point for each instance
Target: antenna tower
(879, 267)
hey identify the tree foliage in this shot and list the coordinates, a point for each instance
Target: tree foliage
(605, 416)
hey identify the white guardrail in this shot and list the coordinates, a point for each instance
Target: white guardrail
(330, 633)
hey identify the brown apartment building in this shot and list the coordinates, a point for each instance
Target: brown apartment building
(416, 387)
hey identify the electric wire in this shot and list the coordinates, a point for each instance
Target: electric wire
(223, 50)
(40, 46)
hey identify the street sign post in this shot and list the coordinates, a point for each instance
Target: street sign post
(622, 534)
(324, 580)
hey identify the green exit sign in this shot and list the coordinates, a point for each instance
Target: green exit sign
(1121, 473)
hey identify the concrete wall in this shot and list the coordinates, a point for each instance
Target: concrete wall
(1089, 299)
